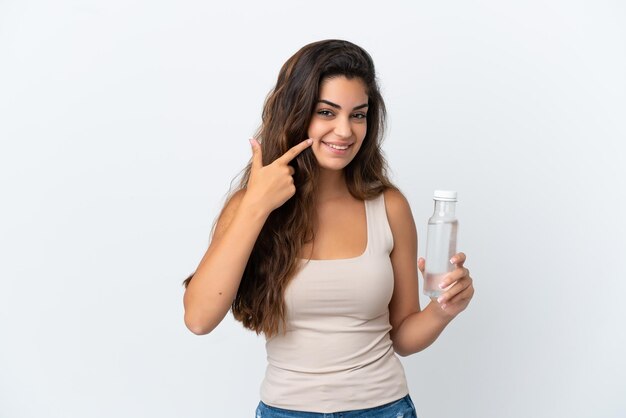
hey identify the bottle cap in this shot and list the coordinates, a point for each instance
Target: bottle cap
(445, 195)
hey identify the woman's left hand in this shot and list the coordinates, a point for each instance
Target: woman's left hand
(458, 285)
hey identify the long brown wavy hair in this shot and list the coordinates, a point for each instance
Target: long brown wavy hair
(259, 303)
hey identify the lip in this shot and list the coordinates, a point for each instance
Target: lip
(339, 144)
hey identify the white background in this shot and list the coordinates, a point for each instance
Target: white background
(122, 124)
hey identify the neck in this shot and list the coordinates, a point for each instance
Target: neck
(331, 185)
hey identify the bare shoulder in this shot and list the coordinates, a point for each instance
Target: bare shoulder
(398, 210)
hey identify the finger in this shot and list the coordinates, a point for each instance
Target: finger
(450, 294)
(458, 287)
(421, 264)
(461, 297)
(454, 276)
(257, 155)
(458, 259)
(292, 170)
(295, 151)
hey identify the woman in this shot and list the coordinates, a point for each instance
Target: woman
(317, 249)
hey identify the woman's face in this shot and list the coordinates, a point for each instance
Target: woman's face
(339, 122)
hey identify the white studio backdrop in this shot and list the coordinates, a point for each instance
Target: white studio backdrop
(122, 124)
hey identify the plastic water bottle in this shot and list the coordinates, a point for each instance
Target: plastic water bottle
(440, 242)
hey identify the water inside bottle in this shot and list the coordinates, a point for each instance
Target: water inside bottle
(440, 247)
(431, 284)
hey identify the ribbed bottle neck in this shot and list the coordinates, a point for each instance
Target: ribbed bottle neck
(444, 208)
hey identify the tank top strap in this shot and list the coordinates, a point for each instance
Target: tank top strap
(379, 236)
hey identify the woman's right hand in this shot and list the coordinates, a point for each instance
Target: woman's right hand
(272, 185)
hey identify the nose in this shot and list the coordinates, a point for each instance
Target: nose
(343, 129)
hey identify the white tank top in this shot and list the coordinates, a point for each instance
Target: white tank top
(336, 353)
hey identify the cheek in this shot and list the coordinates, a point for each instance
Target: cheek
(360, 131)
(317, 130)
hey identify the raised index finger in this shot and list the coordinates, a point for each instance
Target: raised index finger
(295, 151)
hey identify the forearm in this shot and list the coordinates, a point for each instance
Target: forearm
(214, 286)
(420, 329)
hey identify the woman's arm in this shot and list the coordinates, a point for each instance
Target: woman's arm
(211, 292)
(414, 329)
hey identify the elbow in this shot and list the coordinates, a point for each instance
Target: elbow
(401, 351)
(403, 348)
(397, 345)
(198, 330)
(201, 319)
(197, 327)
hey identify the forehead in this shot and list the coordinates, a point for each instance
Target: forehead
(341, 87)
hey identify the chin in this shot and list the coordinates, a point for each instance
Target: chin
(333, 165)
(332, 162)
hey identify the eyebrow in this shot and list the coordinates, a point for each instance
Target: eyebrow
(336, 106)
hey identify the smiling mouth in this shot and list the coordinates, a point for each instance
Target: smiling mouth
(337, 147)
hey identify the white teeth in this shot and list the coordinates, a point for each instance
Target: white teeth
(337, 146)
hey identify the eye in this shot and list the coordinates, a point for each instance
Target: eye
(359, 115)
(325, 113)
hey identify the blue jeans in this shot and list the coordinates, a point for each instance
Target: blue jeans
(402, 408)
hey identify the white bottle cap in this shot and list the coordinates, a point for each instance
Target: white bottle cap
(445, 195)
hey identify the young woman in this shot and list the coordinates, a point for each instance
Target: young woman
(317, 249)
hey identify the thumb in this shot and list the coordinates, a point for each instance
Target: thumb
(257, 155)
(421, 263)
